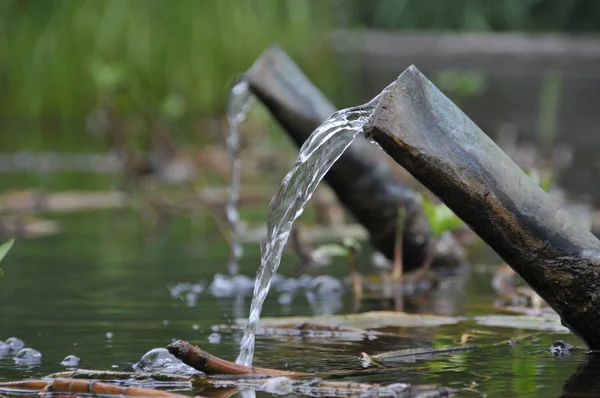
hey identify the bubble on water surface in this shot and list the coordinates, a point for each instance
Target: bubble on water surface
(285, 299)
(159, 359)
(278, 385)
(15, 344)
(28, 356)
(71, 361)
(223, 286)
(4, 349)
(214, 338)
(327, 286)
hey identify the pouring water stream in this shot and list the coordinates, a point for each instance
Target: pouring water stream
(238, 104)
(325, 145)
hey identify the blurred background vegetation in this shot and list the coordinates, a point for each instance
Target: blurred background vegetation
(61, 60)
(151, 77)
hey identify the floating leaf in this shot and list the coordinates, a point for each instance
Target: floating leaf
(547, 323)
(366, 320)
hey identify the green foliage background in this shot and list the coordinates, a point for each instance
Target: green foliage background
(58, 56)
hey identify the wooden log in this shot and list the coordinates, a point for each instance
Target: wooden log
(362, 179)
(438, 144)
(79, 386)
(212, 365)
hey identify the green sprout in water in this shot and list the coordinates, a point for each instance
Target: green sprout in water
(348, 249)
(4, 248)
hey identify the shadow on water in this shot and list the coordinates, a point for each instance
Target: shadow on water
(584, 382)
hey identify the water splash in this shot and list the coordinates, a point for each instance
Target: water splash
(238, 103)
(325, 145)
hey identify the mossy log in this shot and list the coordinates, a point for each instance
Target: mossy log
(422, 130)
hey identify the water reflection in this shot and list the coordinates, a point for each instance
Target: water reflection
(585, 381)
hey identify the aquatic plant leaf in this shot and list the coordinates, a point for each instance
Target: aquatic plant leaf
(5, 247)
(548, 323)
(330, 250)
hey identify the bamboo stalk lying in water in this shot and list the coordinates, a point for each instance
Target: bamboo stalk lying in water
(364, 182)
(440, 146)
(80, 386)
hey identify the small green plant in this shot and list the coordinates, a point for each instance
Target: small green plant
(4, 248)
(440, 217)
(348, 249)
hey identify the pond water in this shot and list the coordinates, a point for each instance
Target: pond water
(102, 290)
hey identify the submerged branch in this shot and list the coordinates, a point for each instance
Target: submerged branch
(212, 365)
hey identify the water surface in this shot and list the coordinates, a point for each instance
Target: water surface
(62, 294)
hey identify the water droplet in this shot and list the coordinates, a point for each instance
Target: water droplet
(195, 327)
(71, 361)
(109, 335)
(214, 338)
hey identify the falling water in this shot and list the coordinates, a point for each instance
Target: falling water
(325, 145)
(239, 102)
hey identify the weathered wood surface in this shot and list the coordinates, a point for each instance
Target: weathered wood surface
(362, 179)
(440, 146)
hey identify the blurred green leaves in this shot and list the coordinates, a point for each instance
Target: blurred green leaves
(4, 248)
(346, 249)
(176, 58)
(108, 77)
(440, 217)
